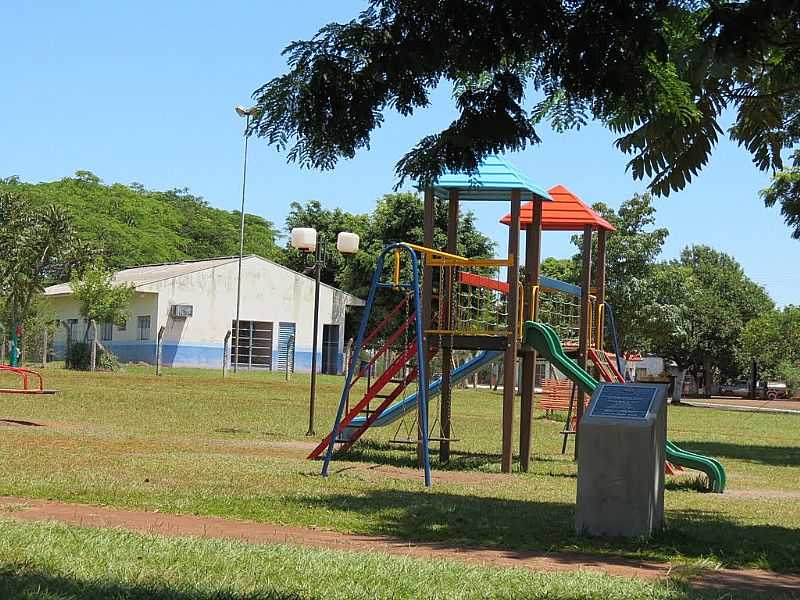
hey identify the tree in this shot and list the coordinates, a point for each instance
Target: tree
(730, 300)
(631, 253)
(136, 226)
(37, 245)
(673, 331)
(100, 299)
(785, 191)
(773, 341)
(658, 74)
(563, 269)
(697, 309)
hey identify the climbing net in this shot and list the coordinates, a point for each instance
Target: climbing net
(478, 303)
(562, 311)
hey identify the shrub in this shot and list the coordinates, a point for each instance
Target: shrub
(79, 357)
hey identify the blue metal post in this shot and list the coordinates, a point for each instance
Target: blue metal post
(422, 393)
(362, 328)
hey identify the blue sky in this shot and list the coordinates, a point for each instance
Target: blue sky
(145, 92)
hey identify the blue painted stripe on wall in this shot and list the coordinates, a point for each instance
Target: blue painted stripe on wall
(198, 355)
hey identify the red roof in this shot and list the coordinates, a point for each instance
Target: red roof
(567, 212)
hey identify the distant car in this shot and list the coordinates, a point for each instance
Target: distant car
(776, 389)
(738, 388)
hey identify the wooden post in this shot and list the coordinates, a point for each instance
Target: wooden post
(601, 287)
(446, 400)
(533, 241)
(159, 339)
(585, 333)
(225, 352)
(44, 347)
(509, 363)
(93, 325)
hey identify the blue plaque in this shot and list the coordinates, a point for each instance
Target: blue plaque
(623, 401)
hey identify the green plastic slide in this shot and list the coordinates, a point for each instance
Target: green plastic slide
(545, 340)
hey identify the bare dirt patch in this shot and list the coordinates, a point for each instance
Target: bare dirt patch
(265, 533)
(763, 494)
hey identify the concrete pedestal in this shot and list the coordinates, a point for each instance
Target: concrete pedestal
(621, 461)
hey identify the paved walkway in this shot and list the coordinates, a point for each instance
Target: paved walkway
(744, 404)
(83, 515)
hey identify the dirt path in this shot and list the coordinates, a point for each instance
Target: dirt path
(265, 533)
(746, 405)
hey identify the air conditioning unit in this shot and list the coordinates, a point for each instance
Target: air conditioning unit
(181, 311)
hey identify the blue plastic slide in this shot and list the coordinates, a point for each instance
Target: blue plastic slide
(409, 403)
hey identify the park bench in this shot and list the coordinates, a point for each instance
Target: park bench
(558, 395)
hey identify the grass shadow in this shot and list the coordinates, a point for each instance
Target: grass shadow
(769, 455)
(468, 520)
(22, 581)
(386, 453)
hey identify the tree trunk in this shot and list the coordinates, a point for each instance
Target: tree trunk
(708, 377)
(677, 390)
(93, 365)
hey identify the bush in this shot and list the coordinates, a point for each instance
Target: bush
(79, 357)
(790, 374)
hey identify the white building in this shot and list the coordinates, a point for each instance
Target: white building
(195, 302)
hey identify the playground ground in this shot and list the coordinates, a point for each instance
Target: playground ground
(233, 451)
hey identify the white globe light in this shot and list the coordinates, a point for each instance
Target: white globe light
(347, 243)
(304, 239)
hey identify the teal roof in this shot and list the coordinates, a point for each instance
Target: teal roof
(493, 181)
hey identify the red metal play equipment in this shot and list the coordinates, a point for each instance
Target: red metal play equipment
(26, 375)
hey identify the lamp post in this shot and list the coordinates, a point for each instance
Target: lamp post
(245, 113)
(306, 240)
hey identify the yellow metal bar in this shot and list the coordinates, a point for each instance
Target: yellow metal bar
(601, 313)
(534, 302)
(396, 268)
(431, 253)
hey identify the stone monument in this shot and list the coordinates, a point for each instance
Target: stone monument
(621, 461)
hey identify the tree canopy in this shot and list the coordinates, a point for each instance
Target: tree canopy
(659, 74)
(697, 308)
(773, 341)
(100, 299)
(631, 253)
(397, 217)
(131, 225)
(38, 245)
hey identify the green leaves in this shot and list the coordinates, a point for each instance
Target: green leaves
(785, 191)
(658, 74)
(37, 245)
(99, 298)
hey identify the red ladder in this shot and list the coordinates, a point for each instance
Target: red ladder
(386, 377)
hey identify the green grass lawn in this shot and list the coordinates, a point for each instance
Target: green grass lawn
(56, 562)
(189, 442)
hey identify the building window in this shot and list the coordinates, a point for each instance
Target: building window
(123, 327)
(252, 347)
(143, 327)
(106, 331)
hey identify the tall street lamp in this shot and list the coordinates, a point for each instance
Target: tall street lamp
(245, 113)
(306, 240)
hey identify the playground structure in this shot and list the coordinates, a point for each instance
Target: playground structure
(25, 375)
(461, 304)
